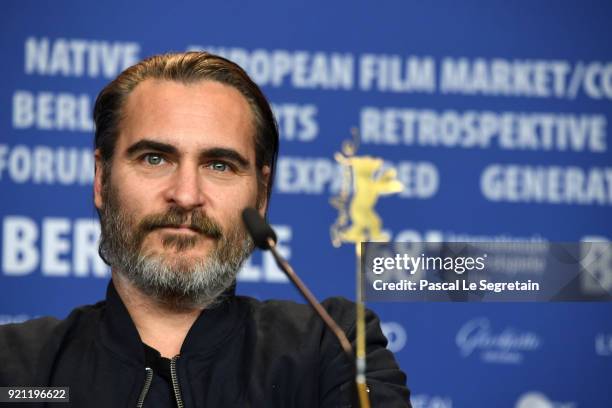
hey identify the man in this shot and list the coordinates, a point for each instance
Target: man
(184, 142)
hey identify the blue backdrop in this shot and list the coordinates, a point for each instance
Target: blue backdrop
(495, 114)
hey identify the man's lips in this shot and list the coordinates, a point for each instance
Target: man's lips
(185, 229)
(181, 228)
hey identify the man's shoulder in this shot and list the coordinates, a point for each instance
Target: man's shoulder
(28, 331)
(288, 324)
(20, 346)
(287, 313)
(34, 331)
(338, 306)
(23, 344)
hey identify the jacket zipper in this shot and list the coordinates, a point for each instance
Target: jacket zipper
(175, 383)
(145, 389)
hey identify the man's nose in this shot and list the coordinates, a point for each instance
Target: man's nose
(186, 188)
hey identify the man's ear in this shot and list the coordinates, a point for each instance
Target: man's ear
(99, 172)
(262, 202)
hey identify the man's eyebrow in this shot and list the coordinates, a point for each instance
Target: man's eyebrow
(225, 153)
(146, 144)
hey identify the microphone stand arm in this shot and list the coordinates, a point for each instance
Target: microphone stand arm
(329, 321)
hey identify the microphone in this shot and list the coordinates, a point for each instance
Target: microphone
(264, 237)
(258, 228)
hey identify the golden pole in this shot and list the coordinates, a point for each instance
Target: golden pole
(360, 379)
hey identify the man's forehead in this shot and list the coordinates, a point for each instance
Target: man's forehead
(174, 112)
(163, 92)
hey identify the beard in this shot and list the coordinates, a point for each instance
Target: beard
(176, 282)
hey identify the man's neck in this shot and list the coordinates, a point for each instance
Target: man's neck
(158, 326)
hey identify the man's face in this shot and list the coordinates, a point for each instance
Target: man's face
(182, 171)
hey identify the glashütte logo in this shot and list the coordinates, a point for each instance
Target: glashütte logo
(506, 347)
(535, 399)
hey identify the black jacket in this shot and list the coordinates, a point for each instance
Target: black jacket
(244, 353)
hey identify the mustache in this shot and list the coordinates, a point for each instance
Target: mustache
(176, 217)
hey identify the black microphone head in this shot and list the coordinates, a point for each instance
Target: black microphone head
(258, 228)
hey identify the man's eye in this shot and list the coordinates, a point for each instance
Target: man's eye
(153, 159)
(219, 166)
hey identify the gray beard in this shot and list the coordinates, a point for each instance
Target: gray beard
(180, 284)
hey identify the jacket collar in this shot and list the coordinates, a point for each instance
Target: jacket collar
(209, 331)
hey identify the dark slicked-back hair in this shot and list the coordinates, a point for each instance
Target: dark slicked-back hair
(187, 68)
